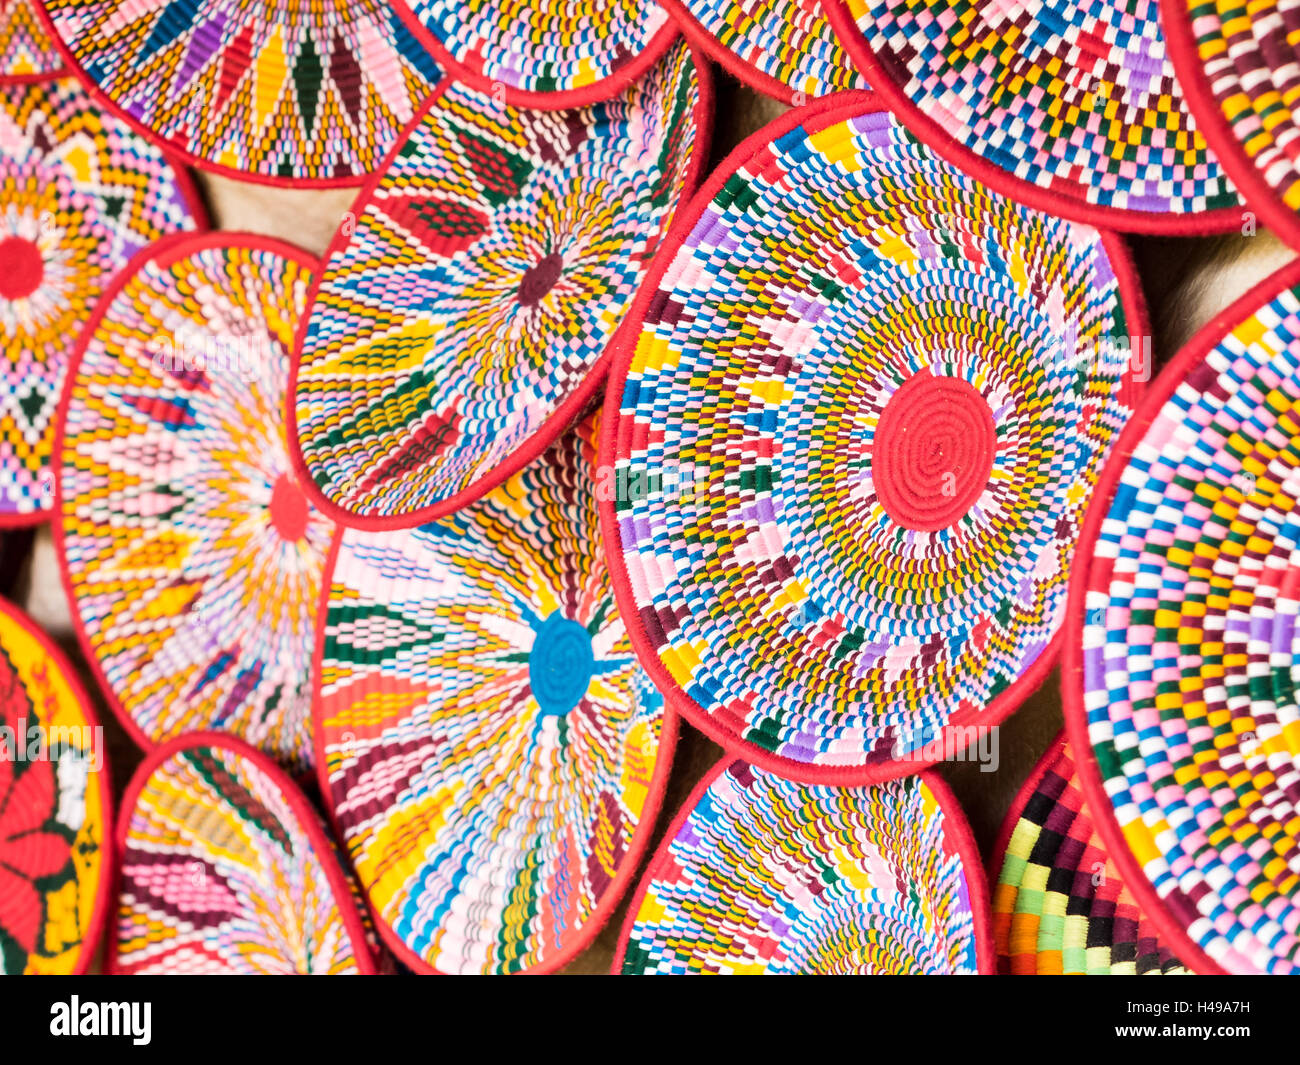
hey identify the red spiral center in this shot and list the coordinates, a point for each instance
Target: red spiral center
(288, 508)
(933, 452)
(21, 268)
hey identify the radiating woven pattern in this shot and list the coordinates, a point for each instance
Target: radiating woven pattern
(193, 556)
(1080, 98)
(487, 273)
(80, 193)
(52, 812)
(1189, 647)
(1060, 906)
(489, 740)
(858, 431)
(25, 48)
(220, 876)
(558, 46)
(315, 90)
(1250, 55)
(767, 876)
(788, 40)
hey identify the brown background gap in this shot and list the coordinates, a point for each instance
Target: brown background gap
(1187, 281)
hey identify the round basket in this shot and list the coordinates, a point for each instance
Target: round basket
(559, 54)
(191, 558)
(463, 316)
(1238, 67)
(1060, 906)
(1180, 686)
(850, 432)
(26, 51)
(80, 193)
(493, 755)
(1070, 108)
(784, 48)
(55, 874)
(227, 870)
(761, 875)
(299, 94)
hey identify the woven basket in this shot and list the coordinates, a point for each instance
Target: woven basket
(761, 875)
(1180, 687)
(80, 193)
(850, 434)
(227, 869)
(493, 755)
(1060, 906)
(300, 94)
(1070, 108)
(461, 322)
(558, 54)
(1237, 65)
(784, 48)
(191, 558)
(26, 51)
(55, 877)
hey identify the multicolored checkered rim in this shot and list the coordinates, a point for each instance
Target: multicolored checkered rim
(1060, 906)
(1180, 688)
(760, 875)
(304, 95)
(850, 432)
(1238, 65)
(1070, 108)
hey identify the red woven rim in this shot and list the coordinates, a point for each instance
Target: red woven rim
(617, 887)
(962, 730)
(1260, 195)
(565, 415)
(939, 140)
(164, 252)
(107, 873)
(308, 819)
(1076, 717)
(956, 828)
(561, 99)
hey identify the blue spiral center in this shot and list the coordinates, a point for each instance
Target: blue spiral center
(560, 665)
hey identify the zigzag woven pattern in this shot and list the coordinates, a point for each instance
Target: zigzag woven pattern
(220, 876)
(194, 559)
(53, 806)
(489, 269)
(25, 48)
(558, 46)
(491, 747)
(290, 91)
(857, 433)
(1060, 906)
(788, 40)
(80, 193)
(768, 876)
(1189, 647)
(1076, 97)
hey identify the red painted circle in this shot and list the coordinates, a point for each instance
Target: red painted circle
(288, 508)
(933, 451)
(21, 268)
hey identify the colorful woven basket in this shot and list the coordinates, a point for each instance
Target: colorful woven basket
(1071, 108)
(191, 558)
(55, 880)
(462, 323)
(784, 48)
(761, 875)
(857, 415)
(296, 93)
(562, 53)
(1180, 688)
(26, 51)
(80, 193)
(227, 869)
(1060, 906)
(493, 754)
(1239, 65)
